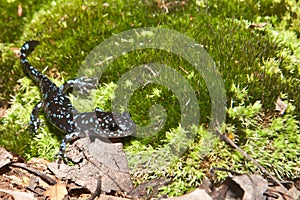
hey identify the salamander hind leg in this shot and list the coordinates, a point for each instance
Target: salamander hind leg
(34, 120)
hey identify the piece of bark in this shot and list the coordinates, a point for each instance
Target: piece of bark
(253, 185)
(5, 157)
(95, 160)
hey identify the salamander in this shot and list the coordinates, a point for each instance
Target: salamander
(59, 110)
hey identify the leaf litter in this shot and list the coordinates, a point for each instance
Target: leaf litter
(100, 171)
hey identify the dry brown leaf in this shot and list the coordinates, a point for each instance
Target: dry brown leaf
(5, 157)
(95, 159)
(25, 180)
(280, 106)
(254, 186)
(56, 192)
(258, 25)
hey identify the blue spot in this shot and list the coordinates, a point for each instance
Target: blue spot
(26, 46)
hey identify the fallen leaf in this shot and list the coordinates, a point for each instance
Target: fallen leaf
(253, 185)
(280, 106)
(258, 25)
(5, 157)
(56, 192)
(95, 159)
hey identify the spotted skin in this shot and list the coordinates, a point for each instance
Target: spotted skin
(59, 110)
(86, 84)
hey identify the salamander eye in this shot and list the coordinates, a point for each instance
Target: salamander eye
(113, 127)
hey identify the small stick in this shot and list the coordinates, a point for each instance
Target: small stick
(97, 191)
(44, 177)
(224, 170)
(226, 139)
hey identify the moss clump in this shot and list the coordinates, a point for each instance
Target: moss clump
(257, 66)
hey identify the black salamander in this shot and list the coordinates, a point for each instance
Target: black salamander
(59, 111)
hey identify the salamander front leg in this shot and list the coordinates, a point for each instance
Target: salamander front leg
(34, 120)
(63, 146)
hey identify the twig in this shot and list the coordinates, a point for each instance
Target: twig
(97, 191)
(271, 192)
(44, 177)
(224, 170)
(226, 139)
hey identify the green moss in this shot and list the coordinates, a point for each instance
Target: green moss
(257, 66)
